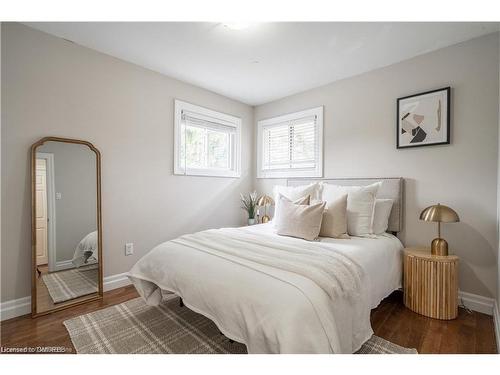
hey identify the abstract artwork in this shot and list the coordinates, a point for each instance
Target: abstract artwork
(424, 119)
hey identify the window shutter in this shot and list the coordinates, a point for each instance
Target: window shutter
(291, 145)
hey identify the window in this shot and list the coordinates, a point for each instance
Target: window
(291, 145)
(207, 143)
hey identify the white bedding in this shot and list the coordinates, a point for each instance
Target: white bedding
(88, 243)
(290, 303)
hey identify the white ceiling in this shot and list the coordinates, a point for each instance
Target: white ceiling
(265, 61)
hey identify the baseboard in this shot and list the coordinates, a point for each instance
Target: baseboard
(64, 265)
(22, 306)
(115, 281)
(15, 307)
(496, 321)
(476, 302)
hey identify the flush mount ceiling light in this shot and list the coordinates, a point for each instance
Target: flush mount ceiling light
(237, 25)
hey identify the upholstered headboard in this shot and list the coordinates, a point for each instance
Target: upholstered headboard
(392, 188)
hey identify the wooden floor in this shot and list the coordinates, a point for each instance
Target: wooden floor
(469, 333)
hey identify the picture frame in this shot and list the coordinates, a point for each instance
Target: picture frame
(423, 119)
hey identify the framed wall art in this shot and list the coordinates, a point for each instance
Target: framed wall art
(424, 119)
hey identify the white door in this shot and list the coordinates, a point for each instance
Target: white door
(41, 211)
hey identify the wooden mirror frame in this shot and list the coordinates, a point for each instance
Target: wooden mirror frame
(99, 293)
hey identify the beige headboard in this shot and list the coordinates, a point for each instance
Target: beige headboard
(392, 188)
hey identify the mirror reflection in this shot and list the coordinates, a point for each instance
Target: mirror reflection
(66, 227)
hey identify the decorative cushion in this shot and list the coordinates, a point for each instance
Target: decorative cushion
(360, 205)
(381, 215)
(293, 193)
(334, 222)
(306, 201)
(298, 220)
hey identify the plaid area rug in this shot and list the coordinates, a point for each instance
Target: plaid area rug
(73, 283)
(134, 327)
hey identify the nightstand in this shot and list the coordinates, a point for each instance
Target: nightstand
(430, 283)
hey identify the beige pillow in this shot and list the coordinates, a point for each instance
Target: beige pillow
(334, 222)
(298, 220)
(293, 193)
(381, 215)
(303, 200)
(360, 205)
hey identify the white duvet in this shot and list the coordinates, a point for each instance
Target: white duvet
(88, 243)
(276, 294)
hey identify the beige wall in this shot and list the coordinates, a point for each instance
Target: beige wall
(1, 127)
(498, 198)
(359, 141)
(53, 87)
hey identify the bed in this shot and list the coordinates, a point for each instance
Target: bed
(280, 294)
(86, 252)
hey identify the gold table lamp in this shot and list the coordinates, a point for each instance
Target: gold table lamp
(265, 201)
(440, 214)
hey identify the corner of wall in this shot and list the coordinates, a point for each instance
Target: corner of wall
(1, 26)
(496, 312)
(496, 323)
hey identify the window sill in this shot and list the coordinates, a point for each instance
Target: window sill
(207, 174)
(297, 174)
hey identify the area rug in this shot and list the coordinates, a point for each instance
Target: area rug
(73, 283)
(134, 327)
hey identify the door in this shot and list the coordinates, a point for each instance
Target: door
(41, 212)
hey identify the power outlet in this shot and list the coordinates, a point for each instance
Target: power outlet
(129, 248)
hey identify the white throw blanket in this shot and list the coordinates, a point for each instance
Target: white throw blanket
(275, 294)
(88, 243)
(336, 274)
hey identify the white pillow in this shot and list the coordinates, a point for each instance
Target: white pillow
(305, 201)
(381, 215)
(299, 220)
(334, 222)
(360, 205)
(293, 193)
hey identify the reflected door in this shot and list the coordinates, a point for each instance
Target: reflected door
(41, 211)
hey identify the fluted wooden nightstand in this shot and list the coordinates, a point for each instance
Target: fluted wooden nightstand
(431, 283)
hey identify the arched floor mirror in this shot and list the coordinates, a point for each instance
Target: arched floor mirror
(66, 224)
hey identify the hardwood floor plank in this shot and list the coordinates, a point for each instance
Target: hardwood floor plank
(484, 334)
(469, 333)
(431, 340)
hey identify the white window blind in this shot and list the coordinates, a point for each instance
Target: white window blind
(207, 142)
(291, 145)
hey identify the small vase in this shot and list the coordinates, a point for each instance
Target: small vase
(251, 221)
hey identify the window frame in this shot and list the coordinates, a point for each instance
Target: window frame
(291, 173)
(226, 120)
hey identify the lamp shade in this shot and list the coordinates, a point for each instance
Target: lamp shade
(439, 213)
(265, 200)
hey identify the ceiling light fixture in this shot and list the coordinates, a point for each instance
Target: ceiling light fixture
(237, 25)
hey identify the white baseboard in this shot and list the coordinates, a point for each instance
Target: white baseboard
(64, 265)
(476, 302)
(15, 307)
(115, 281)
(22, 306)
(496, 321)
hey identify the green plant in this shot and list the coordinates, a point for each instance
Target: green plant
(249, 203)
